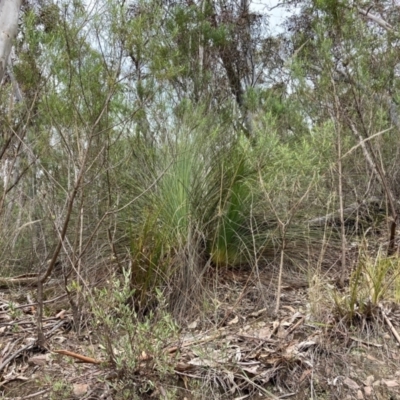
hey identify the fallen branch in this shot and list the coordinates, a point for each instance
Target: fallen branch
(21, 280)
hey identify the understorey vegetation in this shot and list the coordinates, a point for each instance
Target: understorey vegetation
(210, 197)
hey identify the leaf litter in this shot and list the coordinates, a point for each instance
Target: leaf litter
(250, 353)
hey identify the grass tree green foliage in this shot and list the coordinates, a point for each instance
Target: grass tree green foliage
(197, 212)
(207, 205)
(232, 212)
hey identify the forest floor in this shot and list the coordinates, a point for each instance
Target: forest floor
(242, 350)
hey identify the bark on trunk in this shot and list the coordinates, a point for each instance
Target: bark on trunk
(9, 12)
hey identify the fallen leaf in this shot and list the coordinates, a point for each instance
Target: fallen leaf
(144, 356)
(5, 317)
(252, 370)
(203, 362)
(305, 345)
(369, 381)
(372, 358)
(263, 333)
(80, 389)
(41, 359)
(368, 390)
(193, 325)
(390, 383)
(304, 375)
(234, 321)
(59, 339)
(238, 354)
(351, 384)
(61, 314)
(181, 367)
(257, 313)
(275, 326)
(289, 308)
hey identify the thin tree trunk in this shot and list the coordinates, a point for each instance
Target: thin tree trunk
(336, 122)
(9, 12)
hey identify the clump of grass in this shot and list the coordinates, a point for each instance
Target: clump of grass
(59, 388)
(374, 279)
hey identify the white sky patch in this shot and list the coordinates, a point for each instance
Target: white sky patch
(277, 12)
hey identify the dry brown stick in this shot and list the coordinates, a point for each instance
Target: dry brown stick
(293, 327)
(355, 339)
(79, 357)
(390, 325)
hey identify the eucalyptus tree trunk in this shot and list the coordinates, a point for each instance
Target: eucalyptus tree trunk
(9, 11)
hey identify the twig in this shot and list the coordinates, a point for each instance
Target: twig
(31, 396)
(79, 357)
(365, 342)
(390, 325)
(216, 335)
(382, 23)
(335, 120)
(260, 388)
(18, 323)
(45, 302)
(55, 327)
(363, 140)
